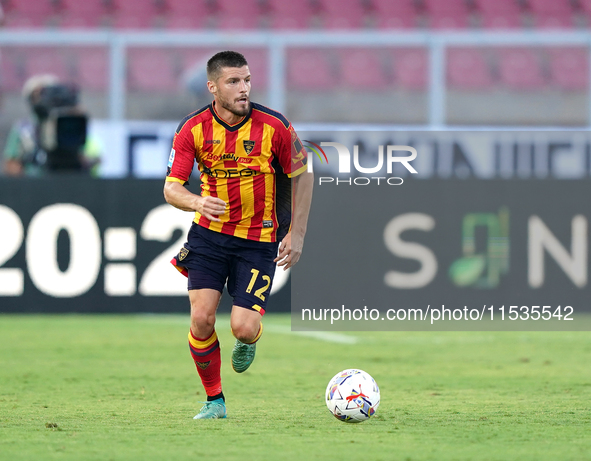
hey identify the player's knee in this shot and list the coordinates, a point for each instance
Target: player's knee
(245, 333)
(202, 320)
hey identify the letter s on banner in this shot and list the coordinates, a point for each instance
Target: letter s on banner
(410, 250)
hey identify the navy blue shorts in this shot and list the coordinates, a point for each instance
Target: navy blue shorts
(212, 259)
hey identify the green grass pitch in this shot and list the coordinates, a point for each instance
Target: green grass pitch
(125, 388)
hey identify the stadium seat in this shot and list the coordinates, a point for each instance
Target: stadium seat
(552, 14)
(498, 6)
(444, 6)
(75, 20)
(92, 68)
(12, 69)
(76, 13)
(550, 6)
(181, 14)
(135, 14)
(45, 7)
(290, 15)
(362, 69)
(450, 20)
(499, 14)
(551, 21)
(258, 64)
(500, 20)
(24, 21)
(394, 15)
(41, 60)
(29, 13)
(195, 59)
(467, 69)
(342, 14)
(411, 68)
(151, 69)
(447, 14)
(520, 69)
(310, 70)
(569, 68)
(238, 14)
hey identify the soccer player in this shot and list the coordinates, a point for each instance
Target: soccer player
(249, 157)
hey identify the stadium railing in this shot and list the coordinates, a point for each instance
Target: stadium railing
(277, 45)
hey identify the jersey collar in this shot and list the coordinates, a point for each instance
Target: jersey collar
(225, 124)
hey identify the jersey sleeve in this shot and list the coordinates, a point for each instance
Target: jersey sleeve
(291, 154)
(182, 156)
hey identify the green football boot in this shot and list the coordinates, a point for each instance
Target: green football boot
(215, 409)
(242, 356)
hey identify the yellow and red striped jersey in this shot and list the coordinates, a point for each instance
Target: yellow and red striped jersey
(248, 165)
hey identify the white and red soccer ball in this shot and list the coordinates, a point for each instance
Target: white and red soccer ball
(352, 396)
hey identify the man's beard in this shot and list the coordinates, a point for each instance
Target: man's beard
(238, 112)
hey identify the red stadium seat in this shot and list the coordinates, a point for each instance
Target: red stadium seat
(552, 14)
(92, 65)
(447, 14)
(41, 60)
(29, 13)
(25, 21)
(290, 15)
(395, 15)
(498, 6)
(520, 69)
(87, 13)
(550, 6)
(97, 7)
(238, 14)
(12, 69)
(183, 14)
(45, 7)
(442, 6)
(75, 20)
(258, 64)
(552, 21)
(500, 20)
(499, 14)
(411, 68)
(135, 14)
(467, 69)
(450, 20)
(309, 69)
(569, 68)
(342, 14)
(362, 69)
(151, 69)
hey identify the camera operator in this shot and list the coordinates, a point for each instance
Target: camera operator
(54, 139)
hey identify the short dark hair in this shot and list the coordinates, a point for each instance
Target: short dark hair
(221, 60)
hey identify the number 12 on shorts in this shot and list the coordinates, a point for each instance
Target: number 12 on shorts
(258, 293)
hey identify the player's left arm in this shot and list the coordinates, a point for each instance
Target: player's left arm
(293, 159)
(290, 248)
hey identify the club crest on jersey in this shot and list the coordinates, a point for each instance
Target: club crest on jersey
(248, 146)
(183, 253)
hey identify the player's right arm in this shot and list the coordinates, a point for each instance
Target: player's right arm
(180, 197)
(180, 165)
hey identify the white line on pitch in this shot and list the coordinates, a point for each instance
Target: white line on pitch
(320, 335)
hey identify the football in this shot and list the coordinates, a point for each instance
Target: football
(352, 396)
